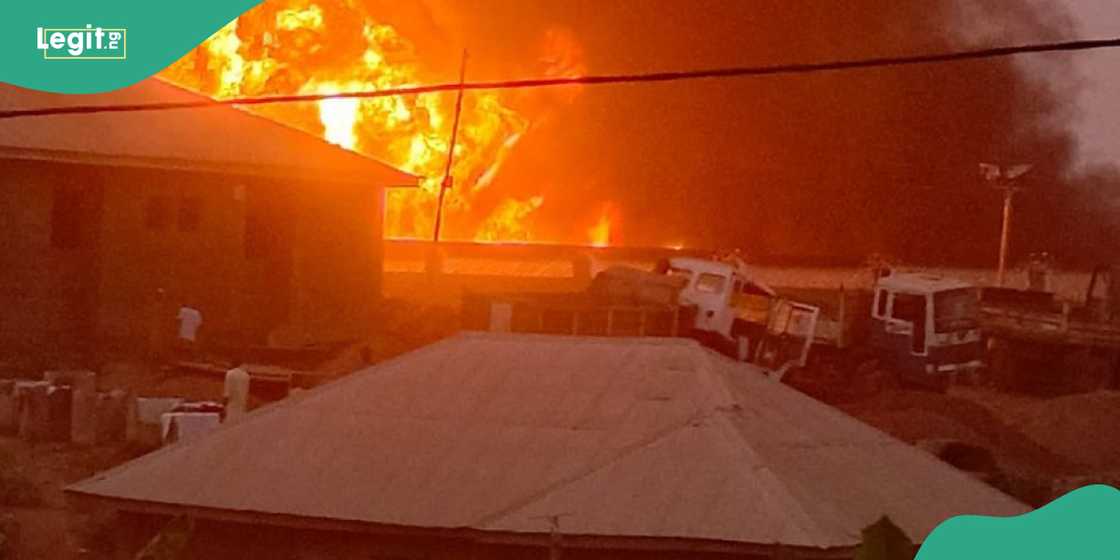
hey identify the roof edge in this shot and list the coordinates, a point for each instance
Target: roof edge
(270, 122)
(543, 539)
(176, 164)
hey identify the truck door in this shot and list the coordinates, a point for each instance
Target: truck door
(789, 335)
(909, 315)
(710, 293)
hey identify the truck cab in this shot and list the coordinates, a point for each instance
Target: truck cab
(927, 327)
(741, 315)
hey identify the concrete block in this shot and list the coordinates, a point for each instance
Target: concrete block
(112, 416)
(143, 419)
(59, 411)
(33, 410)
(83, 408)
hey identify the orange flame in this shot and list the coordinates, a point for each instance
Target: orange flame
(600, 233)
(307, 46)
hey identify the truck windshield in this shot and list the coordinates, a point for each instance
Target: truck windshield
(709, 283)
(956, 310)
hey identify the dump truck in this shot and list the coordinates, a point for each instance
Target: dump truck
(619, 302)
(923, 327)
(1040, 344)
(715, 301)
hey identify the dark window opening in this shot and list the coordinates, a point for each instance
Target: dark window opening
(912, 308)
(190, 213)
(68, 218)
(157, 213)
(909, 308)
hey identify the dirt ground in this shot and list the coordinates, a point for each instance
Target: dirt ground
(1041, 447)
(33, 475)
(48, 529)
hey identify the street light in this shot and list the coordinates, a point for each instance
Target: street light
(1003, 178)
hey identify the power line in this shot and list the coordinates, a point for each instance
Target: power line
(731, 72)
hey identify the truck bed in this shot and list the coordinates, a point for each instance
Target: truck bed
(574, 313)
(845, 313)
(1048, 326)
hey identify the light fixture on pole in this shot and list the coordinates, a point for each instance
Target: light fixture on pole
(1003, 178)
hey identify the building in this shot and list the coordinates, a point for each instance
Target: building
(492, 445)
(109, 221)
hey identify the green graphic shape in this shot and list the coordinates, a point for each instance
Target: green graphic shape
(1082, 525)
(137, 40)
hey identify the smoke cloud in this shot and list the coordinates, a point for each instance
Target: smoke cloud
(836, 165)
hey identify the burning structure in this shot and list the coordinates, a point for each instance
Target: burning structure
(111, 221)
(538, 166)
(332, 46)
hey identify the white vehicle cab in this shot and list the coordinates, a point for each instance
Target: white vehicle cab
(737, 309)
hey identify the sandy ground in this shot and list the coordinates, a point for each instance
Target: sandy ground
(51, 530)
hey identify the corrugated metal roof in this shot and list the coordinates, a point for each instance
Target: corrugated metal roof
(213, 138)
(620, 437)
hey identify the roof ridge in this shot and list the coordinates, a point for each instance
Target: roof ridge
(705, 408)
(586, 472)
(732, 431)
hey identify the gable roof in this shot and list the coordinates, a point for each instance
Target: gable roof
(219, 138)
(640, 438)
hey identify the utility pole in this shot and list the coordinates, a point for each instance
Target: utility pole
(1003, 180)
(447, 181)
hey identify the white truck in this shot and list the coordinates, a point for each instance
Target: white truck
(921, 326)
(742, 316)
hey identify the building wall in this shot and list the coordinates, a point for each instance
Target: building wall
(290, 261)
(338, 261)
(151, 263)
(255, 255)
(47, 280)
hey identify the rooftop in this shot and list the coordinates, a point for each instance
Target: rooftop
(218, 138)
(491, 434)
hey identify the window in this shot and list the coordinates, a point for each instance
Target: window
(68, 217)
(956, 310)
(909, 307)
(190, 213)
(709, 283)
(157, 213)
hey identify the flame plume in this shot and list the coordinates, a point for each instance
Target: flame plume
(332, 46)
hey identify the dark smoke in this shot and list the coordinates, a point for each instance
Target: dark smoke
(839, 165)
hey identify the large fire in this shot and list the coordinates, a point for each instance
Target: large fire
(332, 46)
(600, 233)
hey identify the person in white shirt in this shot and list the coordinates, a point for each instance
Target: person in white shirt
(236, 392)
(190, 319)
